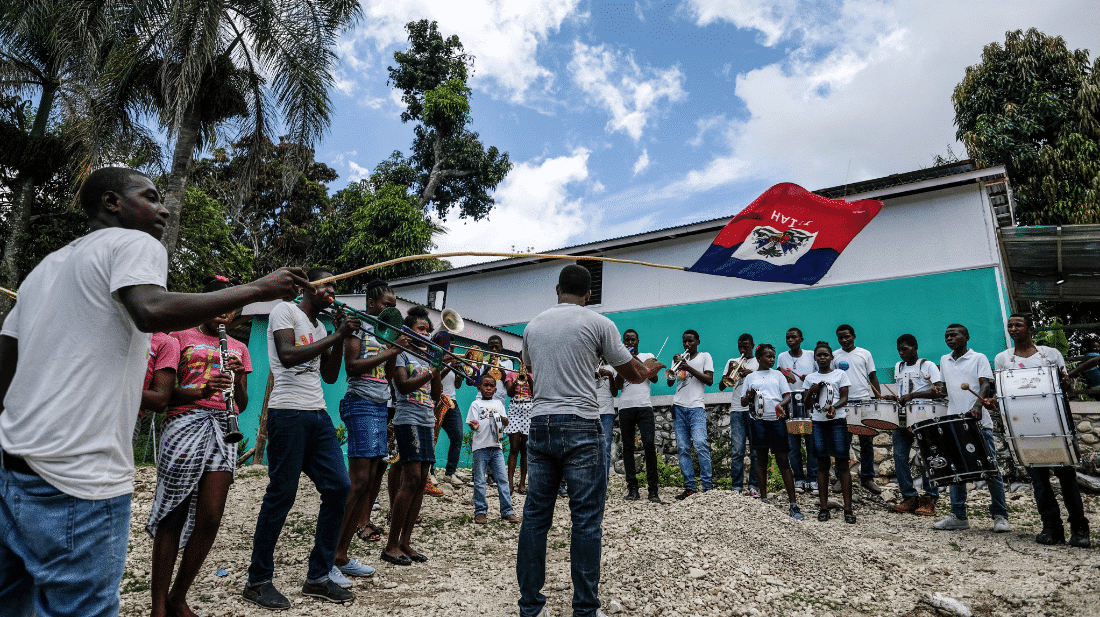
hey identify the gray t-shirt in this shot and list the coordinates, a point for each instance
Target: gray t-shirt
(416, 407)
(371, 385)
(563, 346)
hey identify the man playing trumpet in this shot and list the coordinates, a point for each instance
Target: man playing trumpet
(692, 371)
(636, 412)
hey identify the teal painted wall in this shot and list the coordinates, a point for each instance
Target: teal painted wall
(879, 311)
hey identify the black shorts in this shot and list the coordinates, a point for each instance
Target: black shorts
(770, 435)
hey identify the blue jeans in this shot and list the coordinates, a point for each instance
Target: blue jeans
(563, 446)
(59, 555)
(737, 449)
(903, 444)
(607, 437)
(795, 457)
(996, 488)
(494, 458)
(300, 441)
(691, 430)
(452, 425)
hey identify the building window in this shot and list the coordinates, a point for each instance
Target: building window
(437, 296)
(595, 268)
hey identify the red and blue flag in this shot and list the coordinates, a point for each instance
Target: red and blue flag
(787, 235)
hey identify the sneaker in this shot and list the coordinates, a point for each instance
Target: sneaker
(737, 492)
(1051, 536)
(431, 490)
(633, 495)
(795, 513)
(511, 518)
(267, 596)
(1079, 539)
(1000, 525)
(799, 485)
(926, 506)
(813, 487)
(481, 519)
(376, 506)
(355, 568)
(684, 495)
(952, 522)
(655, 498)
(872, 486)
(754, 492)
(823, 515)
(327, 591)
(906, 505)
(336, 576)
(849, 517)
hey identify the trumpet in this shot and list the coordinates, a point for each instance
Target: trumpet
(733, 376)
(670, 373)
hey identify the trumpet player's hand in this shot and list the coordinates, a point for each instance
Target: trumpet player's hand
(831, 412)
(744, 370)
(780, 413)
(348, 326)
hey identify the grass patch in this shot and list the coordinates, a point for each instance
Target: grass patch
(133, 584)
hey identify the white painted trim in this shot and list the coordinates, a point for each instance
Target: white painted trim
(927, 184)
(1001, 298)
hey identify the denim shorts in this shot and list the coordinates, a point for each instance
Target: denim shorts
(414, 443)
(832, 439)
(770, 435)
(366, 423)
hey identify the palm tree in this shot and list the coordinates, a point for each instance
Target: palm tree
(257, 64)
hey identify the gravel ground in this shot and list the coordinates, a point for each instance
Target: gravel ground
(712, 554)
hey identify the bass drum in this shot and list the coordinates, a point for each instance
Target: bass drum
(1036, 420)
(954, 450)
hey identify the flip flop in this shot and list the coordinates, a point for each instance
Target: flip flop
(375, 534)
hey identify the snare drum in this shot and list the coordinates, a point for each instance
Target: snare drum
(1036, 421)
(798, 417)
(856, 427)
(923, 409)
(954, 450)
(879, 414)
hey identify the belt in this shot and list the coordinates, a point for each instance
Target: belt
(15, 463)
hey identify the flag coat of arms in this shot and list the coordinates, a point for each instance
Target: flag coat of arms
(787, 235)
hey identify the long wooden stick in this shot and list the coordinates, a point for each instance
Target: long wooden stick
(488, 254)
(9, 293)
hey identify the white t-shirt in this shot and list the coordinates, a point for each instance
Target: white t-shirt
(1047, 356)
(922, 375)
(739, 389)
(771, 385)
(297, 387)
(859, 364)
(73, 401)
(968, 369)
(448, 382)
(636, 394)
(604, 400)
(690, 392)
(839, 379)
(480, 410)
(802, 365)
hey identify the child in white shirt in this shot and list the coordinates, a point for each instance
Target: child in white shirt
(488, 419)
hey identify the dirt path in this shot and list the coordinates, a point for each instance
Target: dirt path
(713, 554)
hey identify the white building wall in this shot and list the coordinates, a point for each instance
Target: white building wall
(936, 231)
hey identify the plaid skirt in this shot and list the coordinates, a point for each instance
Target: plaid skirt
(192, 444)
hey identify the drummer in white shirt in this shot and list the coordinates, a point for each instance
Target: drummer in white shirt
(964, 365)
(915, 378)
(795, 364)
(1026, 354)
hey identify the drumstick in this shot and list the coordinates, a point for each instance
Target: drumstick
(662, 348)
(985, 402)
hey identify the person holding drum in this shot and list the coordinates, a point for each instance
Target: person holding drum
(795, 365)
(769, 394)
(860, 367)
(1026, 354)
(828, 389)
(915, 378)
(966, 366)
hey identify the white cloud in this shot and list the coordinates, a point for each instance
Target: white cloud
(642, 162)
(502, 35)
(770, 19)
(628, 92)
(357, 172)
(533, 210)
(705, 125)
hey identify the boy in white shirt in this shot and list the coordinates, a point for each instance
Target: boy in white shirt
(796, 364)
(689, 413)
(636, 413)
(488, 419)
(915, 378)
(860, 367)
(738, 417)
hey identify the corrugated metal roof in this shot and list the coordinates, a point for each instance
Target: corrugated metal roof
(1053, 262)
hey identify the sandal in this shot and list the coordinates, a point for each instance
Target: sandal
(375, 534)
(522, 490)
(823, 515)
(849, 516)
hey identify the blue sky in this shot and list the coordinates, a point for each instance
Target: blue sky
(624, 117)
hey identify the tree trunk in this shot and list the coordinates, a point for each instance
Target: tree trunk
(176, 184)
(21, 216)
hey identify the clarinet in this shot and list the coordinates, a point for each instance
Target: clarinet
(233, 432)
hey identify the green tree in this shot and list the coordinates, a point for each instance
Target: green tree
(207, 245)
(1034, 106)
(364, 226)
(449, 164)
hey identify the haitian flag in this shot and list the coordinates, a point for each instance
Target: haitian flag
(787, 235)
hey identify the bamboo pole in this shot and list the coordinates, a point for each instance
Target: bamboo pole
(261, 430)
(489, 254)
(7, 292)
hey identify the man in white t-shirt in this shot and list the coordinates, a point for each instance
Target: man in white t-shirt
(739, 415)
(795, 364)
(73, 354)
(636, 413)
(302, 439)
(695, 371)
(915, 378)
(860, 367)
(563, 346)
(964, 365)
